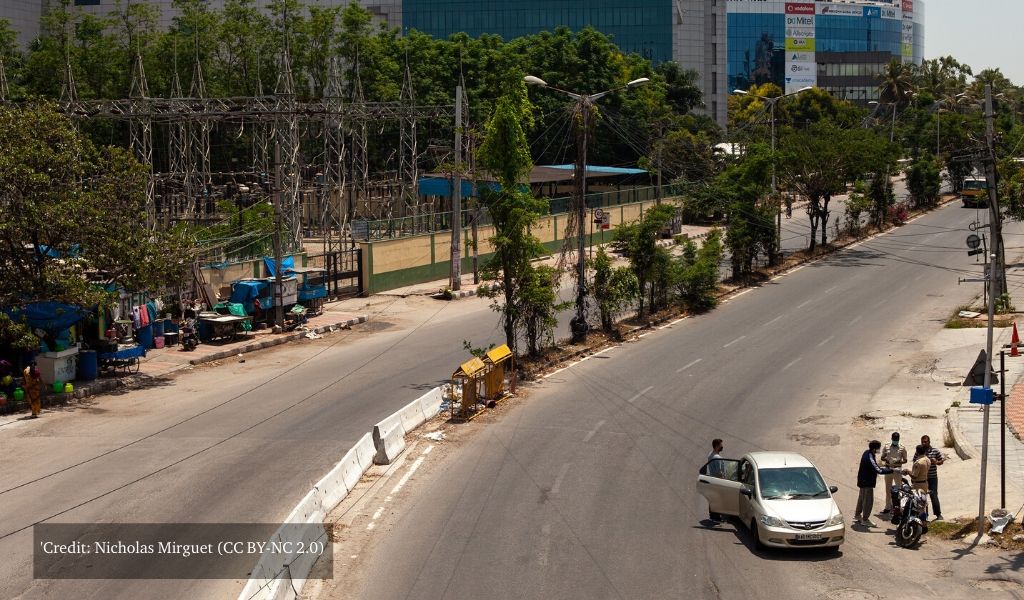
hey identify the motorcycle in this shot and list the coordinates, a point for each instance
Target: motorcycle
(189, 335)
(909, 513)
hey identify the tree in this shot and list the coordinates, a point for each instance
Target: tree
(505, 155)
(858, 203)
(818, 161)
(648, 261)
(614, 288)
(539, 306)
(924, 181)
(698, 277)
(896, 83)
(73, 214)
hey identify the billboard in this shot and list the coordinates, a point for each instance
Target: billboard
(908, 31)
(801, 70)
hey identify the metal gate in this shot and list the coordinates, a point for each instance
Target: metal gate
(343, 272)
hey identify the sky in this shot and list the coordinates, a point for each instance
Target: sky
(981, 33)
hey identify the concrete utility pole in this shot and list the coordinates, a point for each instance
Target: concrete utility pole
(456, 272)
(582, 109)
(993, 290)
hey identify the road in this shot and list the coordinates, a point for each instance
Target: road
(587, 488)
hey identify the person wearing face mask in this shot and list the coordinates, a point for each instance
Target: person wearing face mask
(894, 456)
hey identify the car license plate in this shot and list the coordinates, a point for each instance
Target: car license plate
(808, 536)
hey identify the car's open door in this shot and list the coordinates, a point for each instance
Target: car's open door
(719, 482)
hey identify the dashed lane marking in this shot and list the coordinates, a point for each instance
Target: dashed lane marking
(791, 363)
(635, 398)
(775, 320)
(593, 431)
(681, 369)
(826, 340)
(558, 480)
(735, 341)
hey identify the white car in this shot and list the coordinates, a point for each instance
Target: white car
(780, 496)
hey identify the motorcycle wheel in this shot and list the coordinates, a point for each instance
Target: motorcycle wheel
(190, 345)
(908, 534)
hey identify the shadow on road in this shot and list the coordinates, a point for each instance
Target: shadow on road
(746, 538)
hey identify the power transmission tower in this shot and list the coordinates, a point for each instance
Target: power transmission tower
(408, 154)
(287, 140)
(141, 133)
(332, 219)
(198, 176)
(177, 153)
(360, 163)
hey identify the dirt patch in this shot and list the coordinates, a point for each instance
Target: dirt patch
(815, 439)
(965, 529)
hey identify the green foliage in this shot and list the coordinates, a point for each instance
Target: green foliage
(924, 181)
(858, 204)
(85, 203)
(539, 306)
(819, 160)
(698, 273)
(614, 288)
(648, 261)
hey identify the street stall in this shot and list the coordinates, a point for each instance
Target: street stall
(499, 361)
(123, 356)
(226, 320)
(466, 404)
(311, 294)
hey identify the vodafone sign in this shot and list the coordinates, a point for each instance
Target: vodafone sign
(799, 8)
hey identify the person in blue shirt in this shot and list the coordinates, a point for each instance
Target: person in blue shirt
(867, 477)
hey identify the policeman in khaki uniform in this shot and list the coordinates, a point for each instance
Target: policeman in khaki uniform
(894, 456)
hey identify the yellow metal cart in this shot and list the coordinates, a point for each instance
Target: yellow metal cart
(469, 374)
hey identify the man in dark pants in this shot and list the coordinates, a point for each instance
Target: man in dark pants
(867, 477)
(933, 475)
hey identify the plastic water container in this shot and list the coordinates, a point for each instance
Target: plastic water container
(58, 386)
(158, 341)
(19, 394)
(88, 365)
(158, 328)
(144, 336)
(68, 388)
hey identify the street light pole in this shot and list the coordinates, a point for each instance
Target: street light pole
(778, 214)
(583, 106)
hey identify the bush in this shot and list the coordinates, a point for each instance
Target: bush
(698, 273)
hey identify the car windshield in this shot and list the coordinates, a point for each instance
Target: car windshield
(791, 483)
(974, 184)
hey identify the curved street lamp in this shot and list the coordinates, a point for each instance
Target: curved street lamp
(583, 105)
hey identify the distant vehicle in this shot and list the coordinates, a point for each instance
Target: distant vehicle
(779, 496)
(974, 192)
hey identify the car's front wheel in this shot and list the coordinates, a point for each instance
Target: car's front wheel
(756, 532)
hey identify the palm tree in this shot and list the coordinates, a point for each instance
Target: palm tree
(896, 82)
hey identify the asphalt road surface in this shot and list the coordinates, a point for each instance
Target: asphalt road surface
(587, 489)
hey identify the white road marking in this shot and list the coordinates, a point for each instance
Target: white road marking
(634, 398)
(775, 320)
(831, 289)
(743, 293)
(854, 322)
(805, 304)
(826, 340)
(545, 545)
(879, 303)
(681, 369)
(408, 474)
(558, 480)
(791, 363)
(737, 340)
(593, 431)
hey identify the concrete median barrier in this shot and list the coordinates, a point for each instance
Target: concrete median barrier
(430, 403)
(411, 415)
(388, 439)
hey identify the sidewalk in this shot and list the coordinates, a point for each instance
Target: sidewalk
(165, 362)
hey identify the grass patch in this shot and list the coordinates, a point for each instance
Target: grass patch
(955, 321)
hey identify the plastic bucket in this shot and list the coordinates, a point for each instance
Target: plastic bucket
(58, 386)
(158, 328)
(158, 341)
(19, 395)
(144, 336)
(88, 365)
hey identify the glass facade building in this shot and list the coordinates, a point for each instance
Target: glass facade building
(838, 46)
(640, 26)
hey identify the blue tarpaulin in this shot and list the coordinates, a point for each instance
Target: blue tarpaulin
(245, 292)
(51, 317)
(287, 265)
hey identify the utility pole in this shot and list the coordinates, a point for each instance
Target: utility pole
(992, 181)
(278, 285)
(578, 325)
(456, 273)
(993, 290)
(775, 193)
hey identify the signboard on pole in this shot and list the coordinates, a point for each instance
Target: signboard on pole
(801, 68)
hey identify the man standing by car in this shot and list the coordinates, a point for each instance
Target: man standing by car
(933, 475)
(867, 477)
(894, 456)
(715, 470)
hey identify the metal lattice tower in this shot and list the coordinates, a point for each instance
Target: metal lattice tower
(262, 134)
(408, 157)
(332, 218)
(198, 176)
(68, 89)
(360, 160)
(287, 148)
(177, 152)
(140, 129)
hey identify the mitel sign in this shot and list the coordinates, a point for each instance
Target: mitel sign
(799, 8)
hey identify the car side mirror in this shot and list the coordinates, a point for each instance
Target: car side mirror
(833, 489)
(749, 493)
